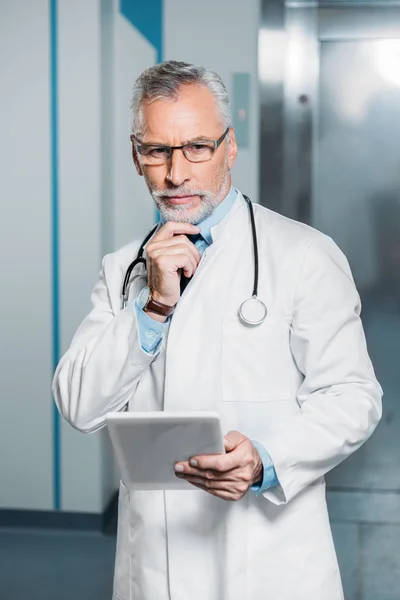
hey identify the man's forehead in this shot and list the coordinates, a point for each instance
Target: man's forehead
(175, 138)
(180, 132)
(193, 114)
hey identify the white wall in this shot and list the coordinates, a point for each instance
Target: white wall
(221, 35)
(79, 72)
(134, 211)
(97, 67)
(25, 260)
(102, 205)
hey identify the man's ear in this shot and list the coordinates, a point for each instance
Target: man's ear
(136, 159)
(232, 148)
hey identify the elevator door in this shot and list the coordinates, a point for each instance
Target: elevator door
(330, 119)
(354, 166)
(356, 200)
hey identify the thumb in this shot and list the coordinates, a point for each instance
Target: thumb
(232, 439)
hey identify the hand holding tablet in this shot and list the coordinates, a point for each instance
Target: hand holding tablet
(147, 445)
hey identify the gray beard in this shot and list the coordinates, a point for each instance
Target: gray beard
(183, 213)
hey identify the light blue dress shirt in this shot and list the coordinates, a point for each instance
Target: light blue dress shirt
(151, 332)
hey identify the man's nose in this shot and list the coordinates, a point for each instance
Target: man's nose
(179, 168)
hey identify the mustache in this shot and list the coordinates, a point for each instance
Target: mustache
(180, 191)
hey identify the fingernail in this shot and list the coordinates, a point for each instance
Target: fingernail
(193, 462)
(179, 468)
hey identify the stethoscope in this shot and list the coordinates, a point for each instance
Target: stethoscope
(252, 311)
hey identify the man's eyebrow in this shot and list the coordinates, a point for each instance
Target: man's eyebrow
(151, 143)
(199, 138)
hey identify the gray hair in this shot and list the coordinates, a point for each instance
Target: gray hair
(165, 80)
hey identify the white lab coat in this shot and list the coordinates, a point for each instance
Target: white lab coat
(301, 384)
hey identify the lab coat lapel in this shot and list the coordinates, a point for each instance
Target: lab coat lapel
(193, 354)
(193, 382)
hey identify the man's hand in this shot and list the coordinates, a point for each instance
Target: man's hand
(169, 254)
(227, 476)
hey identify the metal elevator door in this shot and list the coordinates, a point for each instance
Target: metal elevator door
(356, 201)
(340, 146)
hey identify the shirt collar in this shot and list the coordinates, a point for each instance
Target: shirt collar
(216, 216)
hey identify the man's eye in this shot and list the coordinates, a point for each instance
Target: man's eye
(197, 148)
(161, 151)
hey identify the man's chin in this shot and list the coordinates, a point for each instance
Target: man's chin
(179, 216)
(168, 209)
(176, 203)
(192, 212)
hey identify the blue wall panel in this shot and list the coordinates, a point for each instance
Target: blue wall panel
(55, 244)
(147, 17)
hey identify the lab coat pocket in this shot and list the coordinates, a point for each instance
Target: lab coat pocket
(256, 360)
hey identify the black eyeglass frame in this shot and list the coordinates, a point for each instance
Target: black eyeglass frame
(139, 145)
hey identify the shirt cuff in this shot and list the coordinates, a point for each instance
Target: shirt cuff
(151, 332)
(269, 475)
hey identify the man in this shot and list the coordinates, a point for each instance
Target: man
(296, 394)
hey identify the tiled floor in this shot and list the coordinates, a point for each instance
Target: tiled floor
(55, 565)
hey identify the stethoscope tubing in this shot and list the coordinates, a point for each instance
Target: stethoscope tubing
(139, 259)
(255, 245)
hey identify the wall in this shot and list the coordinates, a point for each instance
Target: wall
(222, 36)
(134, 208)
(79, 72)
(69, 194)
(25, 262)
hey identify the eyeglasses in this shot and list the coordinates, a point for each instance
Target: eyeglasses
(198, 151)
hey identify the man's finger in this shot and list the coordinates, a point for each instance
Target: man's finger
(189, 471)
(221, 462)
(211, 484)
(159, 253)
(233, 439)
(221, 494)
(154, 247)
(172, 228)
(213, 462)
(180, 258)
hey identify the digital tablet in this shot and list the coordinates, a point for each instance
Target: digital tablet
(148, 444)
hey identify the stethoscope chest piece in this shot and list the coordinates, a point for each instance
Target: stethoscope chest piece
(253, 311)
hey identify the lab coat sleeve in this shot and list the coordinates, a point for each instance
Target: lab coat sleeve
(100, 371)
(269, 478)
(340, 398)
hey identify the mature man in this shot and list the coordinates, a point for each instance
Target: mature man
(296, 394)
